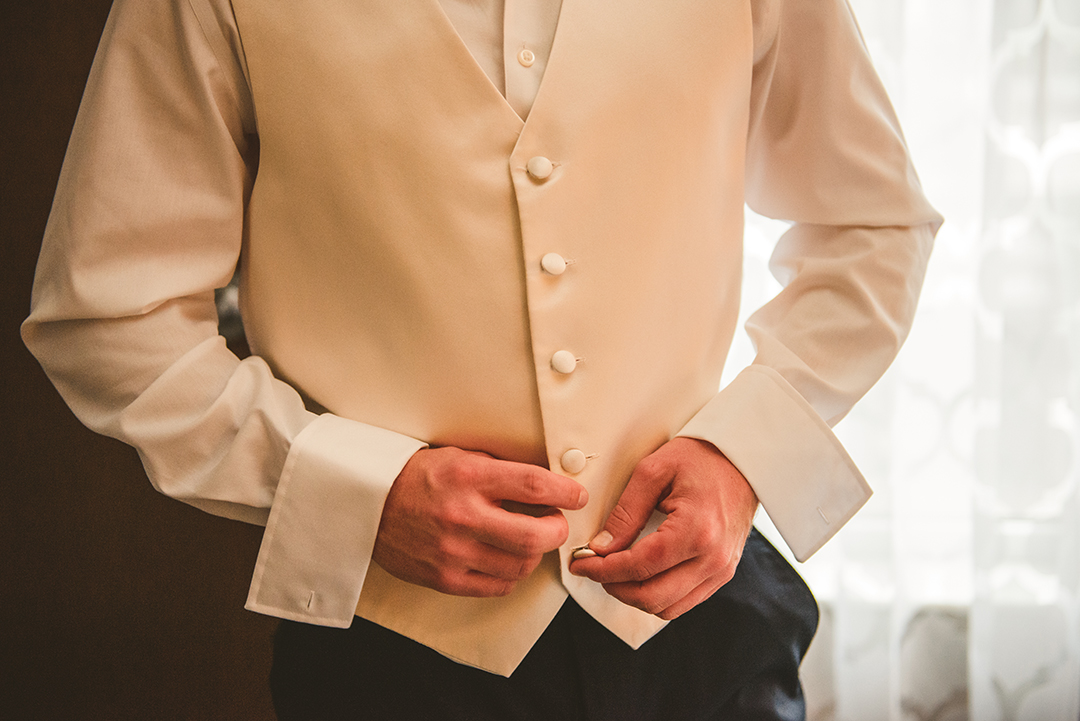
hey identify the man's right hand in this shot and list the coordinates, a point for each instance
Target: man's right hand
(445, 526)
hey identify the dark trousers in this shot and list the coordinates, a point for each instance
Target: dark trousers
(734, 657)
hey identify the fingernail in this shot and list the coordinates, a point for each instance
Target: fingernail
(602, 539)
(582, 498)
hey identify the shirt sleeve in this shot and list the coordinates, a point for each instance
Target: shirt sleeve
(146, 223)
(824, 151)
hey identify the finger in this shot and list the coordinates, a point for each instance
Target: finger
(653, 555)
(657, 593)
(533, 485)
(452, 574)
(648, 483)
(467, 567)
(522, 534)
(475, 584)
(486, 586)
(497, 563)
(670, 594)
(702, 593)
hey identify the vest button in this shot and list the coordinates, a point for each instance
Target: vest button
(539, 167)
(573, 461)
(564, 362)
(553, 264)
(526, 57)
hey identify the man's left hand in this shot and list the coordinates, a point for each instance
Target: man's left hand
(710, 509)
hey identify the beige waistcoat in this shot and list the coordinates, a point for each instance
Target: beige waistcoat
(392, 258)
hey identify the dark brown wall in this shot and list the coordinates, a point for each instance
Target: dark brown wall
(115, 603)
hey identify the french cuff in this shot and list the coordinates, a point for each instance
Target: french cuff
(321, 531)
(800, 472)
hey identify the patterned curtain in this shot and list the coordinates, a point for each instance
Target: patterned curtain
(955, 594)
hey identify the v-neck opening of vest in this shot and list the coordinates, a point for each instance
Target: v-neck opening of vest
(477, 68)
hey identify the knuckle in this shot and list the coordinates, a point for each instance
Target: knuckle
(622, 592)
(445, 581)
(531, 484)
(633, 594)
(531, 541)
(661, 603)
(469, 471)
(649, 466)
(726, 573)
(453, 518)
(652, 467)
(704, 540)
(620, 519)
(448, 553)
(648, 565)
(438, 474)
(643, 602)
(653, 607)
(526, 567)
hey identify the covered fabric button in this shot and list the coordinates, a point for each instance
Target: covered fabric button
(553, 263)
(539, 167)
(573, 461)
(526, 57)
(564, 361)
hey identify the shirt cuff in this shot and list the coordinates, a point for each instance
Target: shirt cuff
(321, 532)
(800, 472)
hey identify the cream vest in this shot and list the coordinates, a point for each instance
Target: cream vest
(392, 259)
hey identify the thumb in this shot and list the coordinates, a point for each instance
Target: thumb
(647, 484)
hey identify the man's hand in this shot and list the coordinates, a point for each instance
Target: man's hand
(445, 524)
(710, 508)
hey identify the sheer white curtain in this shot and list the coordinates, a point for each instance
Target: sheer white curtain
(954, 594)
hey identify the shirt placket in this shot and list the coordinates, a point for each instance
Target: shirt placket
(528, 33)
